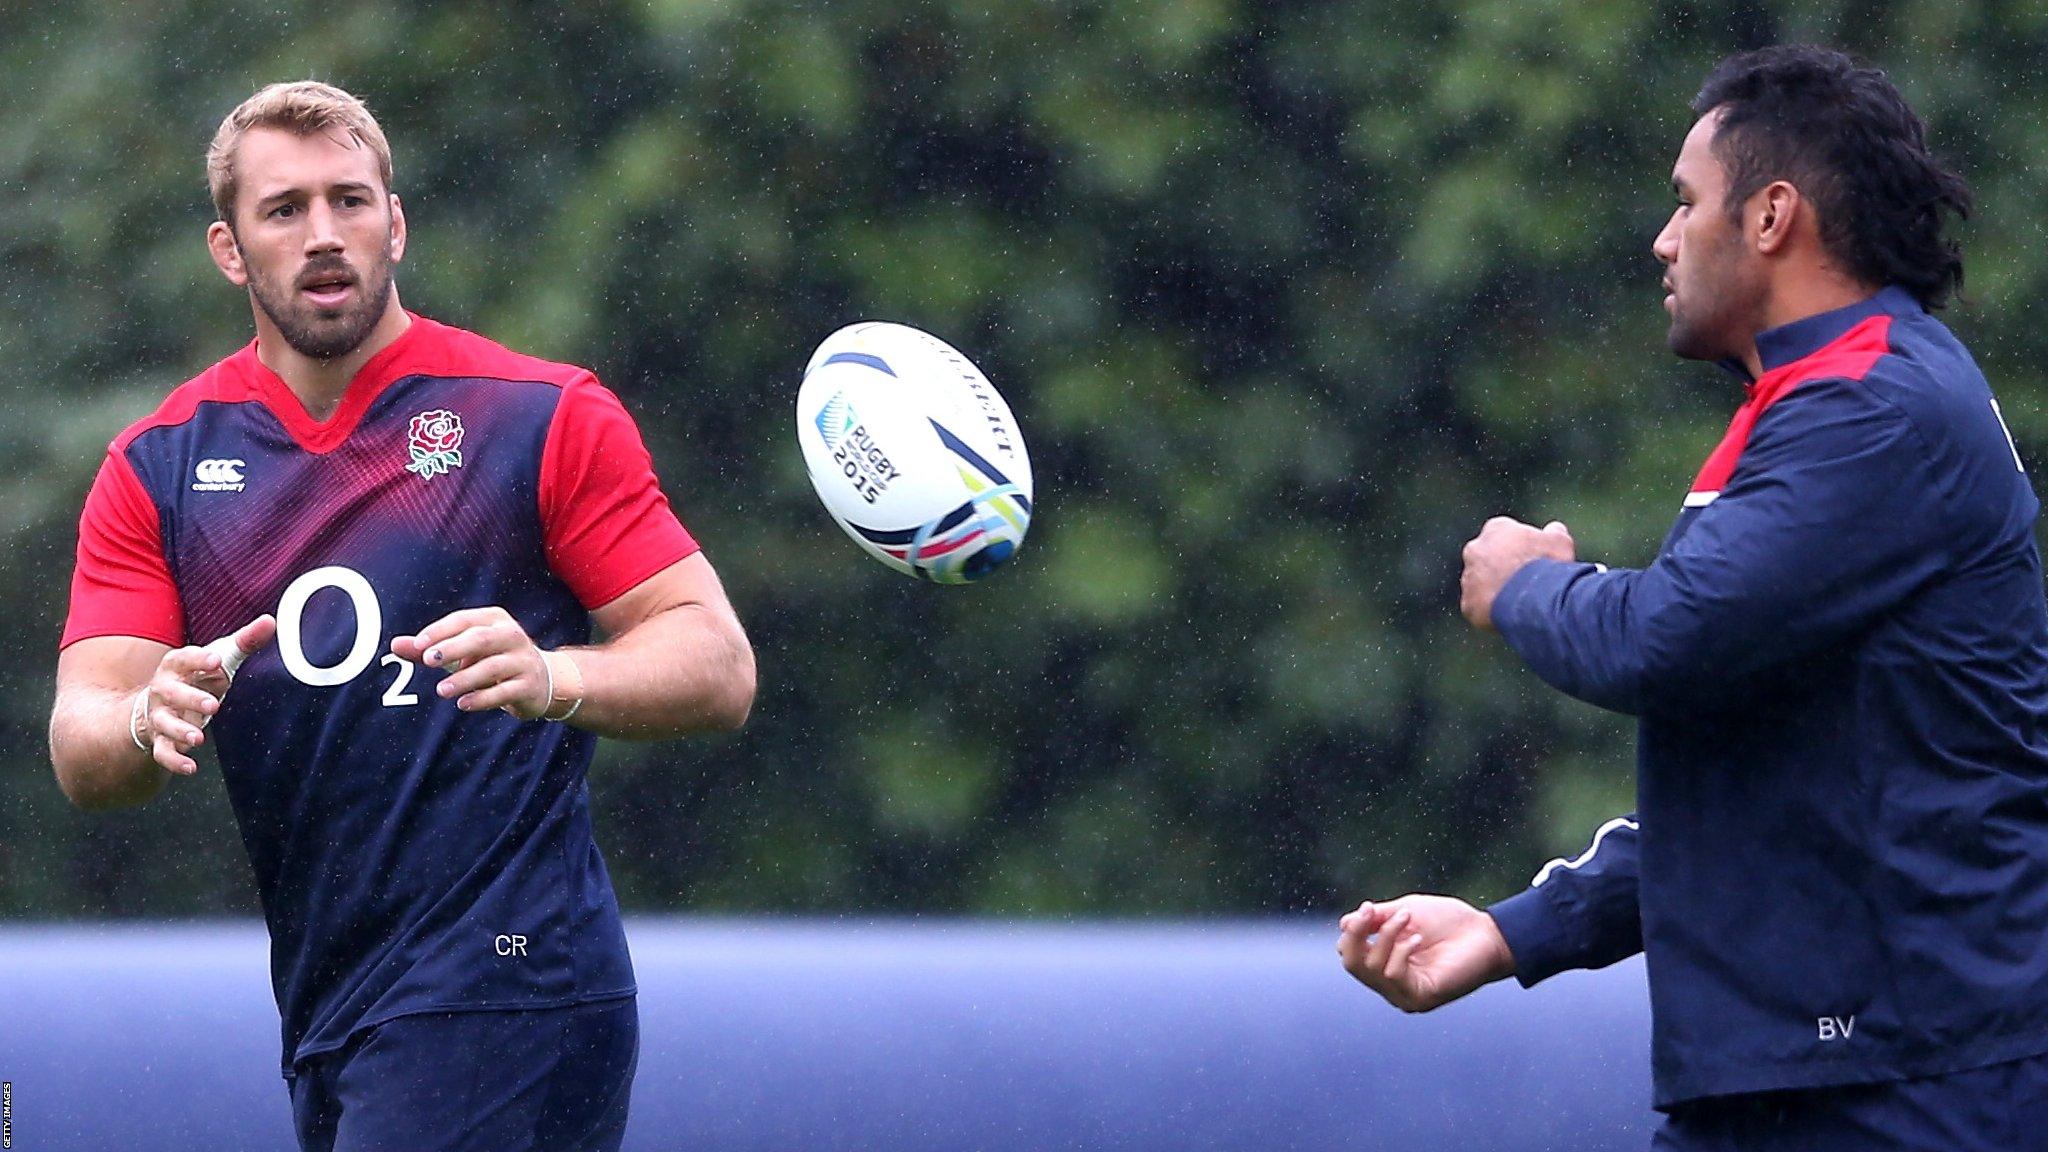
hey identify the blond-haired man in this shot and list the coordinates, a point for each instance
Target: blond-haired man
(397, 536)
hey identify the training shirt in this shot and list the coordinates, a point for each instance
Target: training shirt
(1838, 872)
(409, 856)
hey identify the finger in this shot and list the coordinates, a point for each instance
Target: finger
(487, 672)
(1351, 951)
(520, 696)
(453, 624)
(461, 650)
(175, 726)
(243, 643)
(1364, 920)
(184, 696)
(1383, 941)
(189, 662)
(473, 645)
(1556, 527)
(257, 634)
(167, 755)
(1397, 960)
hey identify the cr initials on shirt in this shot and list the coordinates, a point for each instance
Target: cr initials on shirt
(510, 945)
(1837, 1027)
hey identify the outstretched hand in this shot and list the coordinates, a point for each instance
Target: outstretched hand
(490, 661)
(181, 698)
(1421, 952)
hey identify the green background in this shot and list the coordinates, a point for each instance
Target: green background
(1288, 298)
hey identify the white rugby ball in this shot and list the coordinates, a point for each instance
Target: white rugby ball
(914, 452)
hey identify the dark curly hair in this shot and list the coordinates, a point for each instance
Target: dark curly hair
(1838, 130)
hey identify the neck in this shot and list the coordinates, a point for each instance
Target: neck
(1795, 300)
(320, 383)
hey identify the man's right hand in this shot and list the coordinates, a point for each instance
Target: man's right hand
(1421, 952)
(185, 692)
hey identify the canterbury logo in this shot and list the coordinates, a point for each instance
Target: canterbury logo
(218, 476)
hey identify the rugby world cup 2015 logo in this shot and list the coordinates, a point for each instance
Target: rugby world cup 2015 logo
(853, 448)
(435, 442)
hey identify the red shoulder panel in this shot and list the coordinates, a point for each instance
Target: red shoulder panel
(1849, 357)
(605, 523)
(122, 583)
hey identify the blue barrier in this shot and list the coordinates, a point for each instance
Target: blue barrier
(909, 1036)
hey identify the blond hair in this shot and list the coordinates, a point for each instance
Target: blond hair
(302, 107)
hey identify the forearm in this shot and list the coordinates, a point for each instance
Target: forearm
(1588, 647)
(94, 754)
(686, 669)
(1584, 912)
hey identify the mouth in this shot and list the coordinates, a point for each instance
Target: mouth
(327, 290)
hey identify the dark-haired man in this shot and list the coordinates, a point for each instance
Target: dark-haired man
(1839, 661)
(403, 534)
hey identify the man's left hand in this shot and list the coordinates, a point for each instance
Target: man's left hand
(490, 660)
(1500, 550)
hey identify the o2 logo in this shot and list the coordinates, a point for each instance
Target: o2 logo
(291, 612)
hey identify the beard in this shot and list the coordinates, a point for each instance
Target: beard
(319, 333)
(1715, 312)
(1696, 337)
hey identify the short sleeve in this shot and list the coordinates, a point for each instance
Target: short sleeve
(605, 524)
(122, 584)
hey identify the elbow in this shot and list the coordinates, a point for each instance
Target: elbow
(89, 792)
(82, 796)
(74, 777)
(739, 692)
(1676, 661)
(95, 803)
(94, 786)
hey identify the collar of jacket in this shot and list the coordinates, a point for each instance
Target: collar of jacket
(1777, 347)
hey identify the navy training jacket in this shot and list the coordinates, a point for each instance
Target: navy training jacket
(1839, 663)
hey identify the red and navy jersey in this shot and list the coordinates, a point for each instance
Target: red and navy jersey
(1839, 660)
(409, 856)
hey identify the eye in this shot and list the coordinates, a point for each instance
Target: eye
(351, 200)
(283, 212)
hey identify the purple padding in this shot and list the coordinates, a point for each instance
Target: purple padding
(947, 1035)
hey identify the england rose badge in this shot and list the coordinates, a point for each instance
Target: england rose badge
(435, 442)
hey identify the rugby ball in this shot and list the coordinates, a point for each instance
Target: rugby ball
(914, 452)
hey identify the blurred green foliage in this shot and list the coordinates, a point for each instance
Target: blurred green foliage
(1289, 297)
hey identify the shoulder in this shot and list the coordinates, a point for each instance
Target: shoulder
(1927, 368)
(444, 349)
(1907, 367)
(225, 382)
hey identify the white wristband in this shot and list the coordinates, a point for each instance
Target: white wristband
(568, 690)
(135, 718)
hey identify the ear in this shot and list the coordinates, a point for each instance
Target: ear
(397, 230)
(1777, 209)
(227, 255)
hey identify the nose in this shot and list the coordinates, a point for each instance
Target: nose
(321, 233)
(1666, 245)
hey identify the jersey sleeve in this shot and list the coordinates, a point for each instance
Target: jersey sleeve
(121, 585)
(1832, 517)
(605, 524)
(1577, 913)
